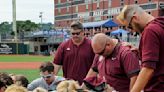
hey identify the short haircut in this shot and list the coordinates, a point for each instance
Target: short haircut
(4, 77)
(21, 80)
(47, 66)
(2, 84)
(76, 25)
(127, 13)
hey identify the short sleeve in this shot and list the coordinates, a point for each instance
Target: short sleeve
(58, 59)
(131, 63)
(95, 63)
(150, 48)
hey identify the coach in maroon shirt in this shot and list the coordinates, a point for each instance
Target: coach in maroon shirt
(75, 55)
(151, 77)
(116, 63)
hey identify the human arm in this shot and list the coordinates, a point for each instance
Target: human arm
(90, 73)
(58, 59)
(57, 68)
(34, 84)
(149, 46)
(132, 81)
(130, 62)
(143, 78)
(132, 48)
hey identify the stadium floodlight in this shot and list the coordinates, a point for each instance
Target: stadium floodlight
(14, 23)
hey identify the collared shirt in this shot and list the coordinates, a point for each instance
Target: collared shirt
(75, 60)
(152, 53)
(40, 82)
(118, 68)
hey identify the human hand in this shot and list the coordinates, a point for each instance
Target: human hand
(132, 47)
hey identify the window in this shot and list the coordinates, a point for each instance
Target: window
(59, 11)
(122, 3)
(67, 9)
(86, 19)
(149, 0)
(77, 8)
(149, 6)
(87, 7)
(149, 12)
(88, 1)
(110, 17)
(98, 5)
(109, 3)
(136, 1)
(98, 18)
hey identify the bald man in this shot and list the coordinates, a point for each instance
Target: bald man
(116, 63)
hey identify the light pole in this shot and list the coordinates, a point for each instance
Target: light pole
(14, 23)
(41, 19)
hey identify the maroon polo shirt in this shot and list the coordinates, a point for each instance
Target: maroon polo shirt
(118, 68)
(152, 53)
(75, 60)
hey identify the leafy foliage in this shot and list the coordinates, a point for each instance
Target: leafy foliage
(26, 26)
(5, 27)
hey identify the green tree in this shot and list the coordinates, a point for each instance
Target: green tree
(5, 27)
(26, 26)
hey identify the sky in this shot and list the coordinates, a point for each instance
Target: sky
(28, 10)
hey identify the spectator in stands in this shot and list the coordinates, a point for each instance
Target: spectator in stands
(47, 80)
(16, 88)
(75, 55)
(116, 63)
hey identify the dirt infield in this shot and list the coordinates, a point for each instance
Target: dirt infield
(19, 65)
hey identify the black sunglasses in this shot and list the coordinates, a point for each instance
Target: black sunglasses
(77, 33)
(102, 52)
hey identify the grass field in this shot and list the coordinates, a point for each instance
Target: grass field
(31, 74)
(24, 58)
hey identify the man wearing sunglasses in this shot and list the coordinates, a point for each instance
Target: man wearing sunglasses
(75, 55)
(151, 47)
(48, 80)
(116, 63)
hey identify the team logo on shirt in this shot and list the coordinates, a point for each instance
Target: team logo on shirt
(101, 58)
(113, 58)
(68, 49)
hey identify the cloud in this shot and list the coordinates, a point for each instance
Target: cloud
(27, 9)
